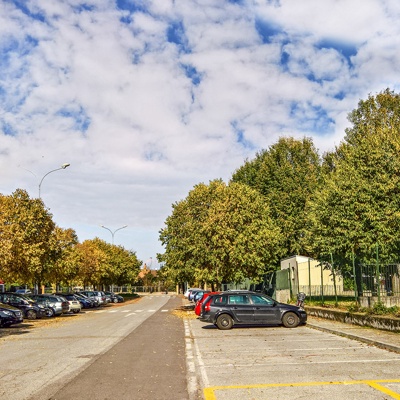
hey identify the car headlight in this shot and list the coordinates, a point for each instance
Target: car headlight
(7, 312)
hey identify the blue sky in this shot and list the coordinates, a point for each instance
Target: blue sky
(146, 98)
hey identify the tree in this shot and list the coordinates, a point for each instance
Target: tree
(26, 228)
(220, 233)
(358, 206)
(287, 174)
(121, 266)
(181, 236)
(62, 265)
(90, 259)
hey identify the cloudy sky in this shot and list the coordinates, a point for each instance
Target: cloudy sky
(146, 98)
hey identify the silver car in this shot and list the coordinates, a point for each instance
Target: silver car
(56, 304)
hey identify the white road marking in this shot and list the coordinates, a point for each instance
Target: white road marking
(192, 383)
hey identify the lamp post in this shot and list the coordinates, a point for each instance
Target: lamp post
(57, 169)
(113, 232)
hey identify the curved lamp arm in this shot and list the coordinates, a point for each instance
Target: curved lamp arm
(57, 169)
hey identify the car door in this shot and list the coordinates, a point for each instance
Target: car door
(241, 308)
(265, 310)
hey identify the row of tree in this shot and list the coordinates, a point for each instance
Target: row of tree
(35, 251)
(290, 200)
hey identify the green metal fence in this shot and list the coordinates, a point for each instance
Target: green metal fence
(379, 280)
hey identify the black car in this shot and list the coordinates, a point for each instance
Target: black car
(30, 308)
(249, 308)
(10, 315)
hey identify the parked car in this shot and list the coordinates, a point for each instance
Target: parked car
(199, 295)
(9, 315)
(189, 290)
(199, 303)
(23, 291)
(249, 308)
(99, 297)
(114, 298)
(74, 303)
(29, 308)
(86, 302)
(193, 292)
(57, 305)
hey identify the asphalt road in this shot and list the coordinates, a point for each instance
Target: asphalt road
(279, 363)
(134, 351)
(145, 351)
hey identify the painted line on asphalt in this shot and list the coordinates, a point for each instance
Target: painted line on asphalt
(302, 363)
(128, 315)
(209, 392)
(190, 365)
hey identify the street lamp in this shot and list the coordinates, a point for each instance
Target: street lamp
(113, 232)
(57, 169)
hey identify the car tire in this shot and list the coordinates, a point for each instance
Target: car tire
(290, 320)
(224, 322)
(75, 311)
(31, 314)
(115, 300)
(50, 313)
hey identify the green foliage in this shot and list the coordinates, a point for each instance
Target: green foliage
(287, 174)
(358, 204)
(377, 309)
(219, 233)
(25, 237)
(100, 263)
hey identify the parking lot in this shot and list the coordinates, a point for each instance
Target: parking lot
(280, 363)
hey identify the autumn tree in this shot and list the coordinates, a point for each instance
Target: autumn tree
(62, 265)
(90, 258)
(220, 233)
(120, 267)
(26, 228)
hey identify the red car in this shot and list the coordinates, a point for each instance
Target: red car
(197, 308)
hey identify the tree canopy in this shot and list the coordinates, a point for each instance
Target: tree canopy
(35, 251)
(220, 233)
(358, 205)
(287, 174)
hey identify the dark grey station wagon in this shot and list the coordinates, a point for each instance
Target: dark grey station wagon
(249, 308)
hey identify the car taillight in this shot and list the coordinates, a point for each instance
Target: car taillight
(207, 306)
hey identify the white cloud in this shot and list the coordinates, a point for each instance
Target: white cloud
(142, 119)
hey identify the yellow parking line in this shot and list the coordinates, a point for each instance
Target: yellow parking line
(209, 393)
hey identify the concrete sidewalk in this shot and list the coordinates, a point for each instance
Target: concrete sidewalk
(376, 337)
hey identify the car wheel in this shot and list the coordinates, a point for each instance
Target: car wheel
(224, 322)
(75, 311)
(115, 300)
(50, 313)
(31, 314)
(290, 320)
